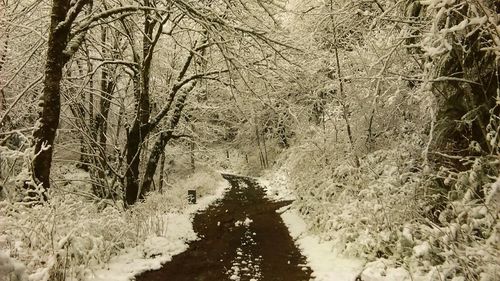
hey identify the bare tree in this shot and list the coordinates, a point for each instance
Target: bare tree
(65, 38)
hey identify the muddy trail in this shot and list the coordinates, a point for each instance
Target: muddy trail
(242, 238)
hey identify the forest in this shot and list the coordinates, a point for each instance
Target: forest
(379, 119)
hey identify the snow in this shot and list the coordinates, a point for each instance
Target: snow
(322, 256)
(277, 188)
(157, 250)
(151, 255)
(10, 269)
(104, 241)
(245, 264)
(493, 197)
(368, 213)
(422, 249)
(245, 222)
(383, 270)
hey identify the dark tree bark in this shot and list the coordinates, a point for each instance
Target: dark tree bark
(5, 49)
(3, 101)
(192, 146)
(81, 112)
(266, 160)
(90, 69)
(134, 142)
(140, 127)
(45, 130)
(261, 154)
(3, 57)
(154, 157)
(162, 171)
(107, 86)
(162, 141)
(61, 46)
(135, 139)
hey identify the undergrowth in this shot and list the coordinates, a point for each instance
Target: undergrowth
(395, 210)
(69, 235)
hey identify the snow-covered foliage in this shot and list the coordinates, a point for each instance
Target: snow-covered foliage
(72, 234)
(390, 212)
(322, 255)
(454, 22)
(384, 128)
(10, 269)
(400, 168)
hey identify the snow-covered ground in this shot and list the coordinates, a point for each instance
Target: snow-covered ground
(368, 222)
(157, 250)
(323, 256)
(346, 232)
(74, 238)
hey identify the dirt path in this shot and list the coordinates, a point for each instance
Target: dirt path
(243, 238)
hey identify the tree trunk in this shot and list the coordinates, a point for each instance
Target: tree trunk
(282, 134)
(107, 86)
(45, 131)
(135, 139)
(78, 111)
(90, 69)
(3, 100)
(191, 148)
(161, 143)
(261, 156)
(134, 148)
(266, 161)
(81, 114)
(3, 57)
(154, 157)
(162, 171)
(140, 128)
(345, 106)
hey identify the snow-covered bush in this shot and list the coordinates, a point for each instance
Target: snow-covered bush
(69, 235)
(393, 211)
(10, 269)
(65, 236)
(202, 181)
(402, 169)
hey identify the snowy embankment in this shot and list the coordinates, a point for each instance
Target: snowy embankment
(157, 250)
(322, 256)
(383, 213)
(75, 237)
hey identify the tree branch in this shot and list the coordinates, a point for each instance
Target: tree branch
(73, 12)
(82, 27)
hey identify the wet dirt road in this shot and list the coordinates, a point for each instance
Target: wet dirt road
(242, 238)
